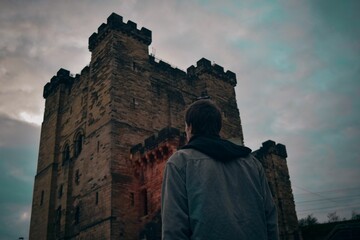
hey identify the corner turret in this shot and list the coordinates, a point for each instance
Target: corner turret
(269, 147)
(205, 66)
(62, 77)
(115, 22)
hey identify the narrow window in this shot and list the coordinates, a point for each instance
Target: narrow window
(42, 198)
(98, 146)
(134, 103)
(58, 216)
(66, 154)
(79, 140)
(97, 198)
(60, 193)
(132, 199)
(77, 177)
(77, 215)
(144, 202)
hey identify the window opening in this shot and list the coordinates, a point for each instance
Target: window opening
(79, 144)
(42, 198)
(77, 215)
(77, 177)
(60, 193)
(58, 216)
(66, 154)
(132, 199)
(144, 202)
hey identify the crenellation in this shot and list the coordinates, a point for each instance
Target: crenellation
(130, 25)
(204, 66)
(85, 70)
(63, 76)
(218, 69)
(270, 147)
(156, 139)
(231, 76)
(102, 29)
(164, 66)
(115, 22)
(280, 150)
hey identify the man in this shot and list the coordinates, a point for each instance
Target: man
(213, 189)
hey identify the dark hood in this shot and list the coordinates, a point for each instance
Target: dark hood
(217, 148)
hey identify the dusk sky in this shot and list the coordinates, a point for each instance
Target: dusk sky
(298, 72)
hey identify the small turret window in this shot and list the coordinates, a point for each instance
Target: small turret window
(60, 192)
(58, 216)
(79, 141)
(77, 215)
(66, 154)
(144, 202)
(42, 198)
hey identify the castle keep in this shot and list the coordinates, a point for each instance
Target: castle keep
(108, 131)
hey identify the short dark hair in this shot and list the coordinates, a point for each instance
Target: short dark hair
(204, 117)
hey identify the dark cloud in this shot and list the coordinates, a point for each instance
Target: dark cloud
(15, 133)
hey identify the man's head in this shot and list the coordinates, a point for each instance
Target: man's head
(203, 117)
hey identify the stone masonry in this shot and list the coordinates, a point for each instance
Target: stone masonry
(94, 180)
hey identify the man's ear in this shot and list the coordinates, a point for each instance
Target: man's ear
(188, 128)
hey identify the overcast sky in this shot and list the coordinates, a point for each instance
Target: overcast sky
(297, 65)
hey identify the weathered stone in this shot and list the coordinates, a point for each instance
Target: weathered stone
(93, 124)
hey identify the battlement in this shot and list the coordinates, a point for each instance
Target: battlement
(271, 147)
(115, 22)
(154, 140)
(164, 66)
(62, 77)
(205, 66)
(202, 66)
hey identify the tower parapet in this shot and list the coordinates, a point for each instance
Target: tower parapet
(269, 147)
(62, 77)
(202, 66)
(154, 140)
(164, 66)
(115, 22)
(205, 66)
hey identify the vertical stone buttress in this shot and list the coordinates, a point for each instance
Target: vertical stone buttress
(273, 158)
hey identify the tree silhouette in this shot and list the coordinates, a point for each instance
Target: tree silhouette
(308, 221)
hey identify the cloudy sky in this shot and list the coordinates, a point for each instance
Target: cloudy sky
(297, 65)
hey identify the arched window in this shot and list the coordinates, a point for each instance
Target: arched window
(66, 154)
(78, 144)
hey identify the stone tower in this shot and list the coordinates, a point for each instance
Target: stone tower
(94, 180)
(273, 158)
(93, 119)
